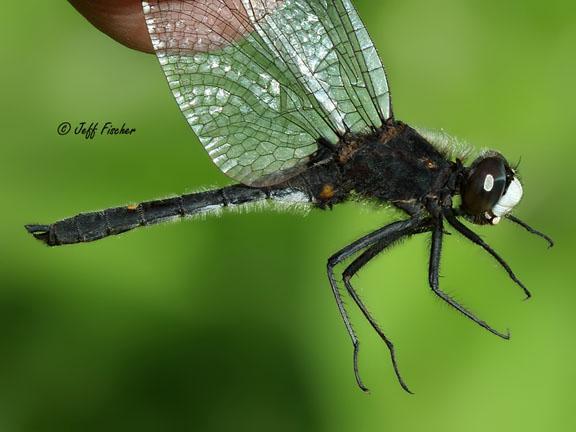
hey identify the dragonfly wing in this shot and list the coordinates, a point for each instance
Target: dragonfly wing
(261, 81)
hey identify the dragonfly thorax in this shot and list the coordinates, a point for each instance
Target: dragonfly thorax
(396, 165)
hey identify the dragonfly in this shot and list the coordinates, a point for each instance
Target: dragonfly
(290, 99)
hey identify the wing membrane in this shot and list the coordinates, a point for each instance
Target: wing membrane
(261, 81)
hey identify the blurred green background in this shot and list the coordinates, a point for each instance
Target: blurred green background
(229, 323)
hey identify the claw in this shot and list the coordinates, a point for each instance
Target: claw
(531, 230)
(357, 372)
(397, 370)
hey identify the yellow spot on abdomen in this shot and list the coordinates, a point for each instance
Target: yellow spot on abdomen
(132, 207)
(327, 192)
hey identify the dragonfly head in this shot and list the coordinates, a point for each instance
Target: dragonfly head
(490, 189)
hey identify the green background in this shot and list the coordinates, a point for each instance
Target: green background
(229, 323)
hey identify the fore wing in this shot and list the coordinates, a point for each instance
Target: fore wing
(261, 81)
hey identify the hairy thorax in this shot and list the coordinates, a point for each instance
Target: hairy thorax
(395, 165)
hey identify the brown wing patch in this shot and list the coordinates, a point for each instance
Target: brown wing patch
(203, 26)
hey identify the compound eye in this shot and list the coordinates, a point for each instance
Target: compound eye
(484, 186)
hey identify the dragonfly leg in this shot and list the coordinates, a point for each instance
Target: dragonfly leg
(357, 265)
(433, 278)
(530, 229)
(475, 238)
(392, 230)
(348, 273)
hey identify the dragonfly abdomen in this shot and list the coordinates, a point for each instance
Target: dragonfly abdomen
(87, 227)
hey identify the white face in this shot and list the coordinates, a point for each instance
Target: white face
(507, 202)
